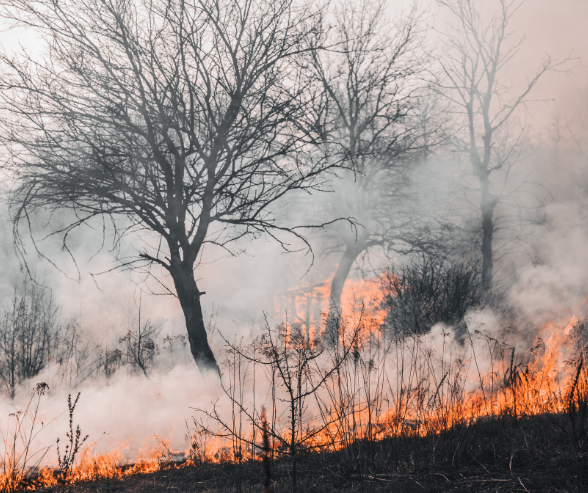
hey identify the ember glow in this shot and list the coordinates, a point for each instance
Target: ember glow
(307, 304)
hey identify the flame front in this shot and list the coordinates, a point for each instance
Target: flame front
(390, 387)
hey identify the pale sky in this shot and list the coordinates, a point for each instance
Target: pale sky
(551, 27)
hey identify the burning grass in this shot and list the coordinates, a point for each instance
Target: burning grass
(374, 408)
(488, 455)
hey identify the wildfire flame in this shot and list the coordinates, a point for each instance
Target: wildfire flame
(448, 383)
(307, 304)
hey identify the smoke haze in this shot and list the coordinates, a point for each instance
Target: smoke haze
(546, 275)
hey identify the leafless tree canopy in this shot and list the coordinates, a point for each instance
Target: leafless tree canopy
(187, 121)
(182, 117)
(373, 74)
(29, 336)
(477, 54)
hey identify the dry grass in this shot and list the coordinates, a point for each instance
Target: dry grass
(493, 455)
(374, 412)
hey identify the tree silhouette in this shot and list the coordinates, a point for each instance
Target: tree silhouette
(176, 119)
(476, 56)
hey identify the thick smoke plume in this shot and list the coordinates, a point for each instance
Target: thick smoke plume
(543, 272)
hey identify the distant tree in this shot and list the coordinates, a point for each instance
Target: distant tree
(475, 61)
(179, 119)
(29, 335)
(373, 73)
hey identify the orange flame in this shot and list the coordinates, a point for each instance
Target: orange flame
(433, 384)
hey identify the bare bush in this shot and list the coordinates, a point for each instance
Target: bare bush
(19, 462)
(297, 368)
(33, 336)
(29, 335)
(140, 346)
(428, 291)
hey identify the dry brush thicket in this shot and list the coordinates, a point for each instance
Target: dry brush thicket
(34, 337)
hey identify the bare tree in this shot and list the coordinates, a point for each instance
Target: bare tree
(176, 119)
(29, 336)
(476, 57)
(372, 74)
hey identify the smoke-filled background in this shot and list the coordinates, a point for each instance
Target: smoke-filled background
(542, 267)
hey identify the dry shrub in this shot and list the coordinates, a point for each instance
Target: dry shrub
(428, 291)
(20, 462)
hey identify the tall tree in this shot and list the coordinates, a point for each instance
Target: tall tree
(175, 118)
(476, 58)
(372, 72)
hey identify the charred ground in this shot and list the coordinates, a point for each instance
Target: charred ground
(537, 453)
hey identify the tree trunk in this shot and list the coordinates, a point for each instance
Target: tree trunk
(352, 251)
(189, 297)
(487, 209)
(294, 479)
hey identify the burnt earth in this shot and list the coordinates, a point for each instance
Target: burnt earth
(538, 453)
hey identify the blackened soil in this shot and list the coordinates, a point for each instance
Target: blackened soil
(539, 454)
